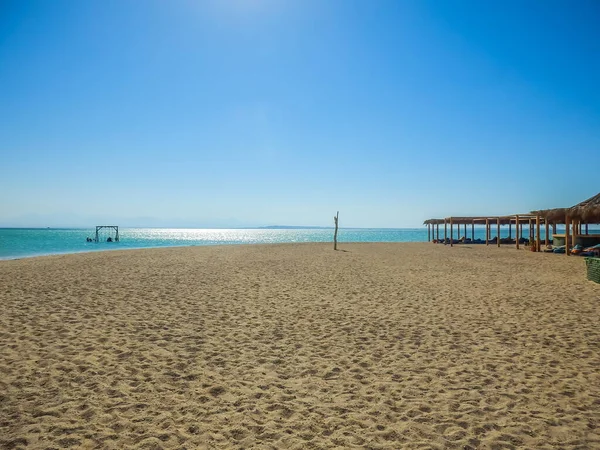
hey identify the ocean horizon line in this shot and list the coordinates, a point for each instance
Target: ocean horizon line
(267, 227)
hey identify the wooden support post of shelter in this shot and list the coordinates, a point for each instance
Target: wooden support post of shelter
(537, 233)
(114, 227)
(517, 236)
(451, 238)
(428, 232)
(546, 243)
(437, 231)
(498, 227)
(567, 224)
(530, 237)
(487, 234)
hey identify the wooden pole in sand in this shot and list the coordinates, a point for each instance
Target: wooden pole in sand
(473, 230)
(437, 228)
(517, 236)
(586, 229)
(428, 232)
(546, 243)
(498, 230)
(487, 231)
(537, 233)
(451, 238)
(509, 228)
(335, 219)
(567, 251)
(574, 234)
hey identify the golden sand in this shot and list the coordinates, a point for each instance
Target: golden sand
(298, 346)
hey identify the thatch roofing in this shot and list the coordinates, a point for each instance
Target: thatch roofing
(480, 220)
(555, 215)
(434, 222)
(588, 211)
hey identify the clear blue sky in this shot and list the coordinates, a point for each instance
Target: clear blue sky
(261, 112)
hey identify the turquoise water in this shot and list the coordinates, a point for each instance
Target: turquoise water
(27, 242)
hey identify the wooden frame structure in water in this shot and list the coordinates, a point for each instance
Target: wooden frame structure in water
(114, 227)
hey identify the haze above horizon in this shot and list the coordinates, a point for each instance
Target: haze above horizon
(246, 113)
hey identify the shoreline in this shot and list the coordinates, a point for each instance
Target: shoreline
(196, 245)
(43, 255)
(16, 258)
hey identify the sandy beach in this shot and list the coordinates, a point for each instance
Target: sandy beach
(300, 347)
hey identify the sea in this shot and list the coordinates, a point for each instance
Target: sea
(18, 243)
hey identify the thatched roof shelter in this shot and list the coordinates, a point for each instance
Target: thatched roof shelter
(534, 221)
(555, 215)
(588, 211)
(574, 218)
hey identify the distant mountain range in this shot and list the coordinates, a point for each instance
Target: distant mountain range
(293, 227)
